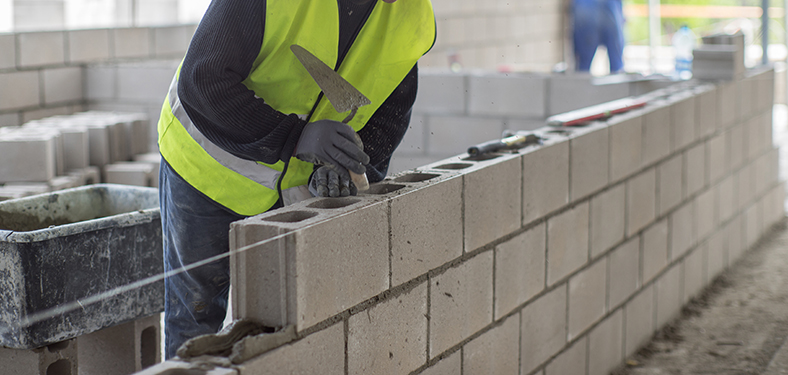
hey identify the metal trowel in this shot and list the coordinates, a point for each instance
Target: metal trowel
(339, 92)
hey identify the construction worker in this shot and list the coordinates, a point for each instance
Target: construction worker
(242, 116)
(598, 22)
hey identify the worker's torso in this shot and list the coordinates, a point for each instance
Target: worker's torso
(393, 38)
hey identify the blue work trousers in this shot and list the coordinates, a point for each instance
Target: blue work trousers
(193, 228)
(598, 22)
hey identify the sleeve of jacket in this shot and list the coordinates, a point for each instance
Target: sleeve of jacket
(219, 59)
(386, 128)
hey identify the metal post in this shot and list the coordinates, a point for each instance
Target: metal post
(654, 32)
(765, 31)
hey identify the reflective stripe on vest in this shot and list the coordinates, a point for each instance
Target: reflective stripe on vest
(252, 170)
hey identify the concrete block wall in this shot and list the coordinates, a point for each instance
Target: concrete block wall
(608, 258)
(454, 111)
(49, 73)
(525, 35)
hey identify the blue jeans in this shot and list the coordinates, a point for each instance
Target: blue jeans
(598, 22)
(193, 228)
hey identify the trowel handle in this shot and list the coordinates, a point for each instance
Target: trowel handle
(360, 180)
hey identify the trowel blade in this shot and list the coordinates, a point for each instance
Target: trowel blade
(342, 95)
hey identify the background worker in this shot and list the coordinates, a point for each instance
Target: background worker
(242, 112)
(595, 23)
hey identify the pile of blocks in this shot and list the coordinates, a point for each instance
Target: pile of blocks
(61, 152)
(721, 57)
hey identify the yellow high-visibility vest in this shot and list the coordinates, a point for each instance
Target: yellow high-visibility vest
(394, 37)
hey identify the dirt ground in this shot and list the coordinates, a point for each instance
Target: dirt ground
(734, 327)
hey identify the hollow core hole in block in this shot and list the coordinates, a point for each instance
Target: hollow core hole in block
(58, 346)
(454, 166)
(183, 371)
(560, 132)
(334, 203)
(148, 347)
(291, 217)
(416, 177)
(482, 157)
(379, 189)
(60, 367)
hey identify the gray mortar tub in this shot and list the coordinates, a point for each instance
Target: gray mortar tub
(60, 247)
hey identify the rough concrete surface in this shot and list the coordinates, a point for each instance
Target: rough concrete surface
(735, 326)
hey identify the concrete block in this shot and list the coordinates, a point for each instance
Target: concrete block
(88, 45)
(259, 274)
(606, 345)
(450, 365)
(545, 180)
(587, 294)
(441, 93)
(607, 219)
(426, 229)
(461, 302)
(639, 325)
(737, 143)
(656, 133)
(322, 352)
(64, 182)
(62, 85)
(567, 243)
(682, 120)
(755, 145)
(682, 230)
(496, 351)
(171, 41)
(718, 158)
(727, 200)
(571, 361)
(42, 48)
(9, 119)
(744, 185)
(58, 358)
(28, 157)
(504, 94)
(736, 247)
(569, 92)
(75, 143)
(391, 337)
(706, 110)
(19, 90)
(130, 173)
(543, 322)
(751, 232)
(123, 349)
(717, 255)
(668, 289)
(694, 267)
(625, 145)
(705, 218)
(8, 46)
(695, 171)
(131, 42)
(145, 82)
(623, 272)
(451, 135)
(519, 270)
(728, 104)
(100, 82)
(670, 184)
(746, 97)
(492, 197)
(641, 201)
(588, 162)
(655, 250)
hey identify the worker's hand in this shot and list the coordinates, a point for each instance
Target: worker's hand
(326, 182)
(334, 145)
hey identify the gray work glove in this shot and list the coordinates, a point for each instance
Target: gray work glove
(334, 145)
(326, 182)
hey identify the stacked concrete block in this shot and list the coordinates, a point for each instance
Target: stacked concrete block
(123, 349)
(608, 220)
(669, 295)
(543, 329)
(639, 320)
(75, 143)
(319, 353)
(641, 201)
(721, 57)
(496, 351)
(567, 243)
(570, 361)
(605, 345)
(623, 272)
(58, 358)
(545, 179)
(131, 173)
(625, 146)
(28, 156)
(520, 270)
(589, 166)
(587, 303)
